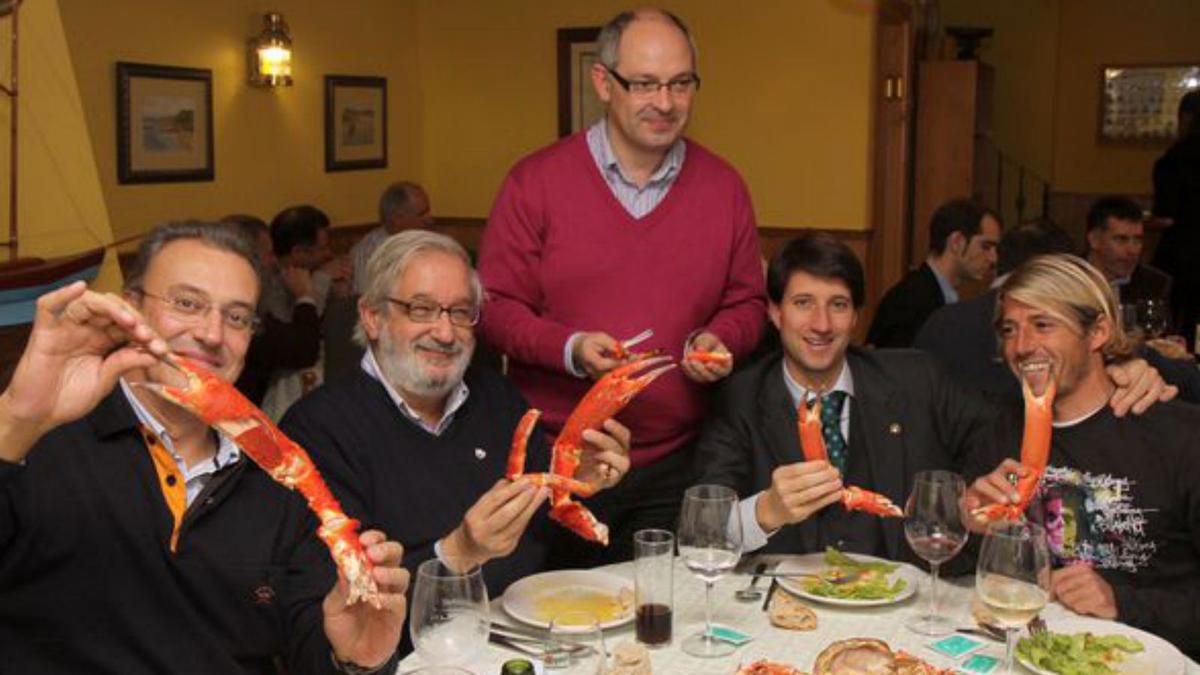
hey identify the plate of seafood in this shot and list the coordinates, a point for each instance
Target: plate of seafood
(537, 599)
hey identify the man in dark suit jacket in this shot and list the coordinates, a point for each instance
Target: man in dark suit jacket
(962, 245)
(903, 415)
(1115, 234)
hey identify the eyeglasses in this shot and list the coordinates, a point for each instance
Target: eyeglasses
(422, 311)
(679, 86)
(194, 307)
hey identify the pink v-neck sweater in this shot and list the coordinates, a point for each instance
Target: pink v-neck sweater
(560, 255)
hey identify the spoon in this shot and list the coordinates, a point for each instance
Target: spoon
(750, 593)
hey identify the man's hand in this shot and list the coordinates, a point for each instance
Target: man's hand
(1138, 387)
(711, 371)
(593, 354)
(1082, 590)
(360, 633)
(797, 491)
(298, 281)
(605, 458)
(992, 488)
(80, 344)
(493, 526)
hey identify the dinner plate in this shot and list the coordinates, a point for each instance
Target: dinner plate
(1159, 657)
(535, 599)
(814, 563)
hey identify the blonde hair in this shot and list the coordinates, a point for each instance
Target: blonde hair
(1068, 288)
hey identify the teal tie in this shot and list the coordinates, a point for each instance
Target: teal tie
(831, 428)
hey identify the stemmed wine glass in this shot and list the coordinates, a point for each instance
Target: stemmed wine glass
(449, 622)
(710, 543)
(1013, 577)
(934, 528)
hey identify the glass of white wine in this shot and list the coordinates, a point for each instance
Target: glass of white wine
(1012, 579)
(710, 543)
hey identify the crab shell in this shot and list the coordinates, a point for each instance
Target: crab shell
(765, 667)
(856, 656)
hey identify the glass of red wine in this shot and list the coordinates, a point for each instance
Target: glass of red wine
(934, 528)
(653, 578)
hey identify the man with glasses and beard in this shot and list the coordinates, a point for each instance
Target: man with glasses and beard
(419, 440)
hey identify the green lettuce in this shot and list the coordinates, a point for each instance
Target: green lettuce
(1078, 653)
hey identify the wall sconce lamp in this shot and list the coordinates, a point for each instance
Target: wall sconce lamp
(271, 54)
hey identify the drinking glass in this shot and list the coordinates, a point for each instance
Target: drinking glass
(449, 622)
(1153, 317)
(710, 543)
(653, 571)
(576, 645)
(1013, 577)
(934, 528)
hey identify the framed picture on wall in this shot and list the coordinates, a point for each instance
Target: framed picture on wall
(164, 124)
(355, 122)
(578, 106)
(1140, 103)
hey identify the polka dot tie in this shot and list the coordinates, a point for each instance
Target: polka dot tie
(831, 428)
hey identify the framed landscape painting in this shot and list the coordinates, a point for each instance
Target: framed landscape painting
(355, 122)
(164, 124)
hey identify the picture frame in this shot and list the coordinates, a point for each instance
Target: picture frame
(355, 122)
(578, 105)
(164, 124)
(1139, 103)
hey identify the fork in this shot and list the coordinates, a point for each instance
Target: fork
(1037, 625)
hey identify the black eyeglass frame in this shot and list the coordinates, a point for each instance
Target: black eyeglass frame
(692, 79)
(407, 305)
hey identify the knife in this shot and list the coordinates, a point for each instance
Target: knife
(770, 593)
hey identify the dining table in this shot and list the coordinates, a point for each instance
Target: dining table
(796, 648)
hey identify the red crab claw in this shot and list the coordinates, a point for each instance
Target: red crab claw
(220, 405)
(1035, 444)
(812, 444)
(717, 358)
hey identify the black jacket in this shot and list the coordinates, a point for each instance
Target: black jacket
(905, 307)
(88, 583)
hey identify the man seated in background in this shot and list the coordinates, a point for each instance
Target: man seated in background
(1115, 232)
(133, 537)
(418, 440)
(1120, 498)
(962, 246)
(963, 335)
(886, 415)
(402, 206)
(277, 345)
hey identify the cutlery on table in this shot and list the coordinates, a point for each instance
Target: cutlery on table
(750, 593)
(770, 593)
(837, 581)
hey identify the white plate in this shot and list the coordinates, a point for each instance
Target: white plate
(814, 563)
(522, 599)
(1159, 658)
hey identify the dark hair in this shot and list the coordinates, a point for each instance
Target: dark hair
(212, 234)
(821, 255)
(1120, 208)
(296, 226)
(1189, 105)
(396, 199)
(1029, 240)
(957, 215)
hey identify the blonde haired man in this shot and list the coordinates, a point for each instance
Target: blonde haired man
(1120, 498)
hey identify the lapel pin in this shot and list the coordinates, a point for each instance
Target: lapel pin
(480, 453)
(894, 428)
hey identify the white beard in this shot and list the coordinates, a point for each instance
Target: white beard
(403, 369)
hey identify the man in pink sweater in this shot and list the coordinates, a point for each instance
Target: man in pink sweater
(616, 229)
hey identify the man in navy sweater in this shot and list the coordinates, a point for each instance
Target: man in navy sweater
(417, 441)
(134, 538)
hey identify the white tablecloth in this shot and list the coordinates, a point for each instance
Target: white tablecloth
(798, 648)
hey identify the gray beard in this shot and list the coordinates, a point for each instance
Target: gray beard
(403, 370)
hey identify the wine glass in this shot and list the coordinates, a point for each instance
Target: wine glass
(710, 543)
(449, 622)
(934, 528)
(576, 645)
(1153, 317)
(1013, 577)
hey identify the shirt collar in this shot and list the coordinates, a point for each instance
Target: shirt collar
(227, 451)
(458, 396)
(948, 291)
(843, 383)
(597, 136)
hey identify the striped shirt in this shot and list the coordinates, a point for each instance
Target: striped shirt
(637, 201)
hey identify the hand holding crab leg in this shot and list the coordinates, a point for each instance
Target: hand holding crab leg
(707, 359)
(493, 526)
(362, 633)
(812, 444)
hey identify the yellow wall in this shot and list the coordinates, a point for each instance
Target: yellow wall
(785, 97)
(1103, 32)
(269, 148)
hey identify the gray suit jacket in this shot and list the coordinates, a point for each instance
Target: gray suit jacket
(906, 415)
